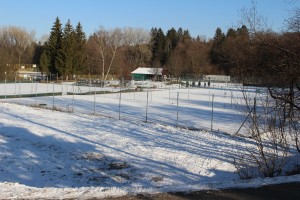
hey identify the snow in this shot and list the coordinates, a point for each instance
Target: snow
(55, 155)
(145, 70)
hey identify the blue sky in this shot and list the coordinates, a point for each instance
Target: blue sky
(200, 17)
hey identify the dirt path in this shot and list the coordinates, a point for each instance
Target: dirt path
(290, 191)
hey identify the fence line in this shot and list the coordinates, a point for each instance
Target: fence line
(151, 105)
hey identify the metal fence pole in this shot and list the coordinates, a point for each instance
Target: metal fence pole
(177, 109)
(147, 106)
(170, 93)
(120, 103)
(225, 93)
(189, 92)
(231, 98)
(212, 113)
(15, 85)
(73, 98)
(35, 92)
(94, 100)
(31, 86)
(19, 91)
(90, 89)
(53, 96)
(5, 86)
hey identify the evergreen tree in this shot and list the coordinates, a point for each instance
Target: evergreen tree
(186, 37)
(231, 33)
(45, 61)
(158, 47)
(64, 52)
(67, 51)
(218, 39)
(50, 58)
(243, 31)
(180, 34)
(80, 53)
(172, 39)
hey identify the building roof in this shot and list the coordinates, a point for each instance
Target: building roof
(146, 70)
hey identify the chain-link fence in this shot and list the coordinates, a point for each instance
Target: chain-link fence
(189, 105)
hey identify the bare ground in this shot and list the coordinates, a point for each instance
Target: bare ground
(289, 191)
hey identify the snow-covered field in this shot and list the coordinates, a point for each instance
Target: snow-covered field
(85, 154)
(194, 108)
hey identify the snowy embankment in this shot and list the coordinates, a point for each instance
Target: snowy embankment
(49, 154)
(56, 155)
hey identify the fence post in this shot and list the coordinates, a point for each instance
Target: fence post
(120, 103)
(90, 89)
(212, 113)
(35, 92)
(95, 100)
(225, 93)
(73, 98)
(177, 109)
(170, 93)
(15, 85)
(31, 86)
(62, 87)
(147, 106)
(5, 86)
(208, 97)
(53, 97)
(20, 92)
(189, 92)
(231, 98)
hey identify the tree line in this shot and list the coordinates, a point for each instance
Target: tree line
(241, 52)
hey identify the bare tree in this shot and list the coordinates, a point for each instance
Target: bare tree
(107, 43)
(271, 121)
(267, 128)
(197, 57)
(253, 19)
(177, 61)
(114, 41)
(20, 39)
(293, 23)
(14, 42)
(100, 40)
(137, 40)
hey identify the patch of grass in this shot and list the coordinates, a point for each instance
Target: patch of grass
(157, 178)
(118, 165)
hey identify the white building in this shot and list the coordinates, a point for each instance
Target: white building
(216, 78)
(145, 73)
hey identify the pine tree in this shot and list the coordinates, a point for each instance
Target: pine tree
(217, 42)
(172, 38)
(186, 37)
(45, 62)
(231, 33)
(158, 47)
(50, 58)
(80, 53)
(64, 52)
(67, 51)
(55, 45)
